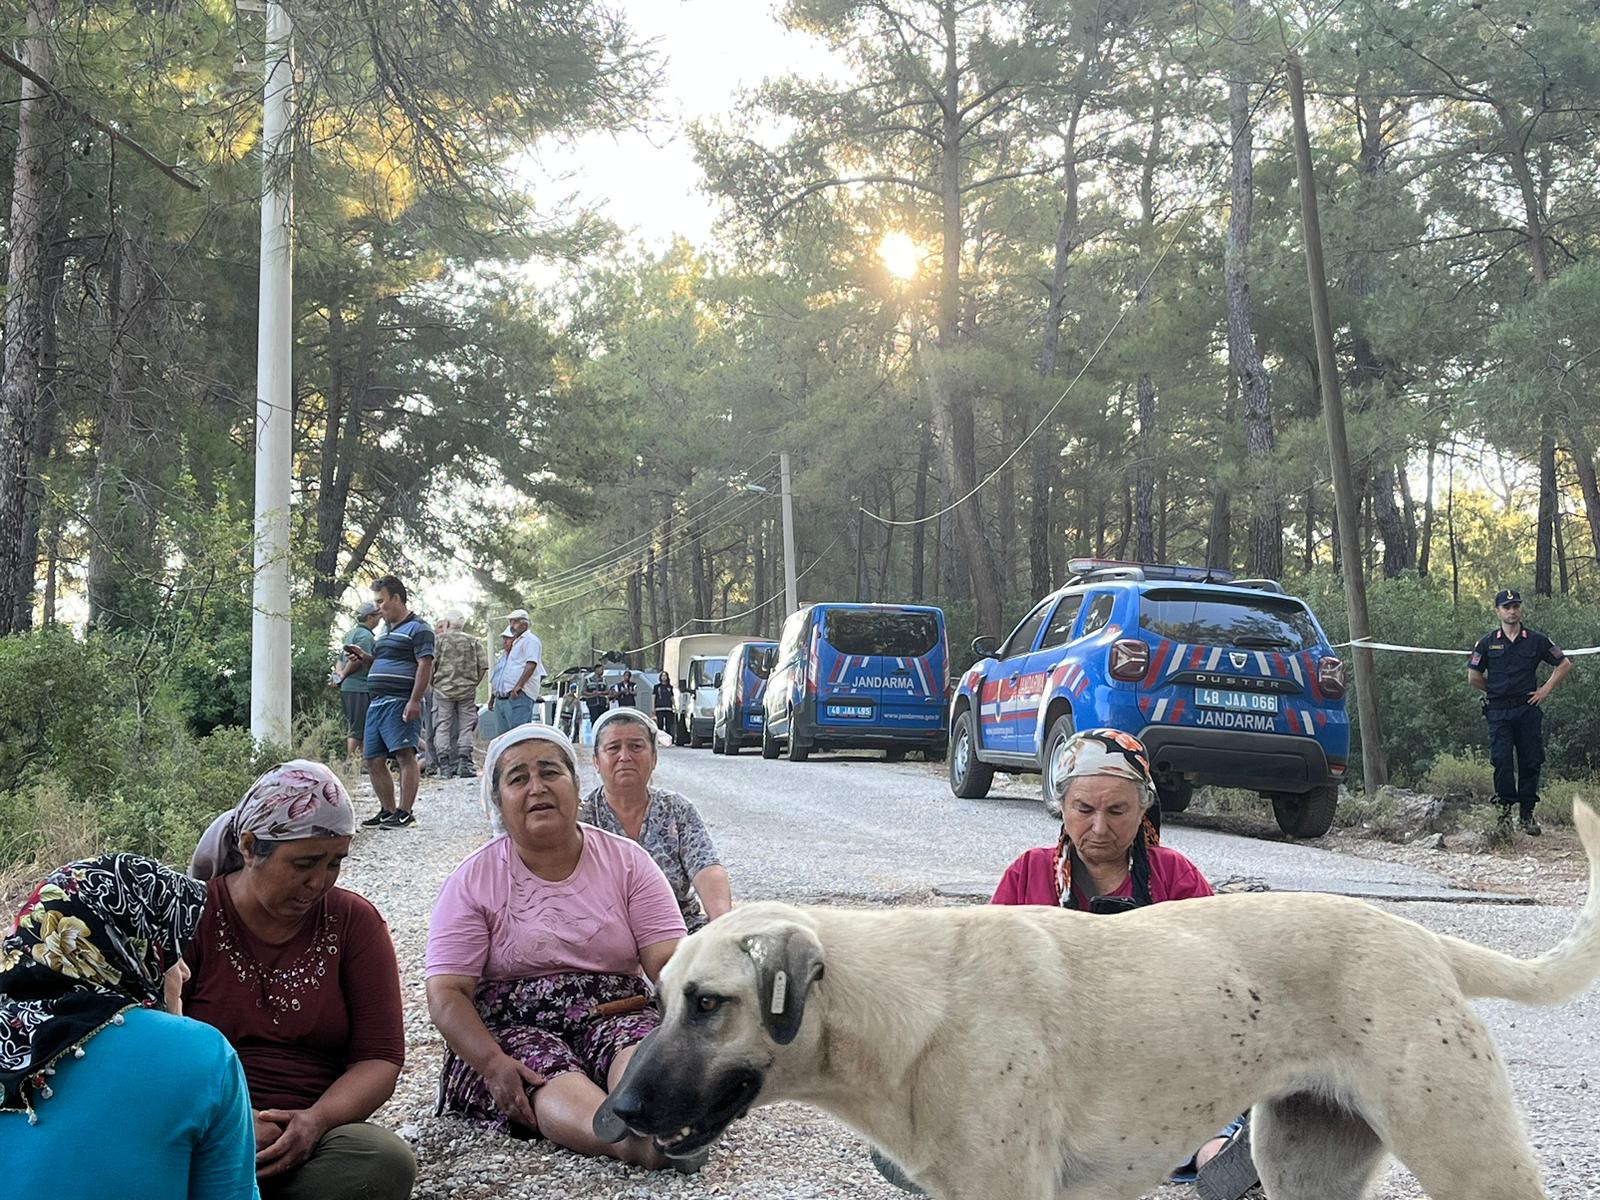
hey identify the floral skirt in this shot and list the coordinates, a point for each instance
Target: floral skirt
(549, 1024)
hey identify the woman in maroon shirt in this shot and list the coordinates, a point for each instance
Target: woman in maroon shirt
(301, 977)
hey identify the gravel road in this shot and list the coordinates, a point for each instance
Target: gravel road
(851, 830)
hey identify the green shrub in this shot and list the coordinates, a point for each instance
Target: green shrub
(1466, 774)
(63, 709)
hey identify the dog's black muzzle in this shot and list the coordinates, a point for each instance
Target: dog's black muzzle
(666, 1096)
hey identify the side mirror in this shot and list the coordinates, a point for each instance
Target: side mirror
(985, 646)
(717, 682)
(683, 685)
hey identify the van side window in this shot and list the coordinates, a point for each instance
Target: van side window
(1099, 614)
(1059, 631)
(792, 629)
(1021, 639)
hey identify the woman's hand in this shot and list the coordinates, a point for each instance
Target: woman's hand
(302, 1129)
(508, 1081)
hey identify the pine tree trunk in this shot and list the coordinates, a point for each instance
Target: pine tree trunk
(951, 402)
(1143, 514)
(1386, 516)
(1044, 453)
(341, 444)
(758, 572)
(1588, 486)
(34, 203)
(1425, 552)
(1264, 549)
(919, 540)
(1544, 544)
(119, 519)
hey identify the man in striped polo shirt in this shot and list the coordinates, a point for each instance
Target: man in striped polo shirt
(402, 669)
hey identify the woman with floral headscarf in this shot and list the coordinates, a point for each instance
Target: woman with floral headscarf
(1109, 856)
(301, 976)
(105, 1091)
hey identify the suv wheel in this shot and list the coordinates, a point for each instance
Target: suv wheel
(730, 745)
(969, 778)
(680, 732)
(1308, 814)
(769, 744)
(1053, 775)
(718, 743)
(1175, 796)
(894, 754)
(798, 750)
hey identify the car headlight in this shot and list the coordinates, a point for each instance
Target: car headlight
(705, 710)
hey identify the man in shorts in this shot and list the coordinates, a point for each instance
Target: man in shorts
(401, 670)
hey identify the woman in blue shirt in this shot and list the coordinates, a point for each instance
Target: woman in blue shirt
(102, 1093)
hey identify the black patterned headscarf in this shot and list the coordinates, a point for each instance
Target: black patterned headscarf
(92, 941)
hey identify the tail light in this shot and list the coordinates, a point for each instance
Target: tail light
(1130, 659)
(1330, 677)
(1336, 768)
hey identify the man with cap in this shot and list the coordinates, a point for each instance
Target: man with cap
(519, 702)
(350, 677)
(1505, 667)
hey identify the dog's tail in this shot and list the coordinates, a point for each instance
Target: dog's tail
(1559, 973)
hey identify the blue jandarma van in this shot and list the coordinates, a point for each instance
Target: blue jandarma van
(740, 713)
(851, 676)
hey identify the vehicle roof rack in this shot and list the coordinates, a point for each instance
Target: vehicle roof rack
(1096, 570)
(1260, 585)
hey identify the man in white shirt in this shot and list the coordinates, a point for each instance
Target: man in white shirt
(524, 669)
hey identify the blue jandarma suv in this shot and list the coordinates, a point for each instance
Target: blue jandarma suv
(1227, 682)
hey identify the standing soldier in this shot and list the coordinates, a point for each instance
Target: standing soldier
(458, 669)
(1505, 666)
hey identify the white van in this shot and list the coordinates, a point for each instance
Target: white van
(694, 664)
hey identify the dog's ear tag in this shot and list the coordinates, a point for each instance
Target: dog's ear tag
(780, 993)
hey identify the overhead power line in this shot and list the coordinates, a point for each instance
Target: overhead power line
(567, 574)
(609, 578)
(816, 562)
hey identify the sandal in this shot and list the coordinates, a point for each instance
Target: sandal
(1232, 1172)
(891, 1171)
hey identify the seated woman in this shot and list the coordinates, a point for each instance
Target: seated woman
(1108, 849)
(538, 950)
(102, 1093)
(1109, 858)
(664, 823)
(301, 977)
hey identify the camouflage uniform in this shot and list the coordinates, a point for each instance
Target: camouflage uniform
(458, 666)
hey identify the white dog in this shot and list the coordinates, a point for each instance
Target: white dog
(1040, 1054)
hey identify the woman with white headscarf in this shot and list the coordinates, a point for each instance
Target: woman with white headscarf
(301, 978)
(664, 822)
(539, 949)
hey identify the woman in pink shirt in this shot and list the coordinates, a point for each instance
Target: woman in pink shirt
(538, 951)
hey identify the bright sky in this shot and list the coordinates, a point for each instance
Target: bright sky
(648, 182)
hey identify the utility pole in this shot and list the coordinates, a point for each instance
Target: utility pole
(1374, 765)
(791, 589)
(269, 627)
